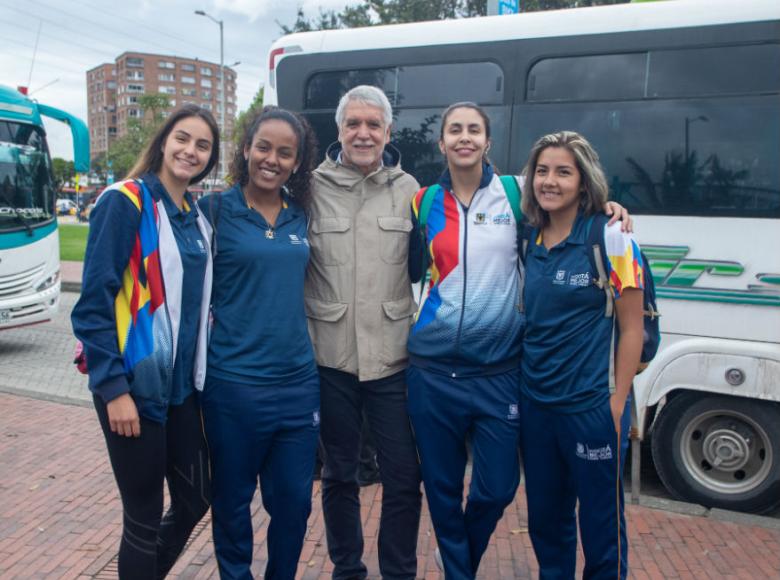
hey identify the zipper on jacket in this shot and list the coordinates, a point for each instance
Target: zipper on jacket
(463, 295)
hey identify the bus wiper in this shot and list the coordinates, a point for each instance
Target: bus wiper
(18, 215)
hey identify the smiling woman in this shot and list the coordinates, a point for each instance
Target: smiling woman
(262, 398)
(142, 319)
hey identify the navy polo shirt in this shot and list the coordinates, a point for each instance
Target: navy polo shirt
(565, 362)
(192, 251)
(260, 334)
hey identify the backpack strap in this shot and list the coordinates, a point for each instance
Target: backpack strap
(426, 202)
(513, 196)
(425, 205)
(214, 215)
(597, 254)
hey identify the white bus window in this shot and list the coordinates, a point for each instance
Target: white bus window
(441, 85)
(721, 70)
(588, 78)
(713, 157)
(436, 85)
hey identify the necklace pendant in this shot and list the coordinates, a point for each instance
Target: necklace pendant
(269, 234)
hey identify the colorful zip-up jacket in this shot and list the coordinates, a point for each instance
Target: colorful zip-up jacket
(470, 319)
(129, 311)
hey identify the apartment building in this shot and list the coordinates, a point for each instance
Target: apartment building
(113, 91)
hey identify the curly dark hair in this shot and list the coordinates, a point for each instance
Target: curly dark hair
(299, 184)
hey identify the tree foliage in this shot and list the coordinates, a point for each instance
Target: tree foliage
(125, 150)
(63, 171)
(375, 12)
(244, 116)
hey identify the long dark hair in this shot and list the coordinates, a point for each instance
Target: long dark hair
(299, 184)
(151, 158)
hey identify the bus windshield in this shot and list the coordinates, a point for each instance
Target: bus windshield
(26, 190)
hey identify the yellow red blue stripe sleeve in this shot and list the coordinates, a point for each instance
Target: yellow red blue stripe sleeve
(624, 258)
(112, 235)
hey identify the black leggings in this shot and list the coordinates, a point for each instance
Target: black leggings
(176, 452)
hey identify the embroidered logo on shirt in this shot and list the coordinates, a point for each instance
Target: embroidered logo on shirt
(560, 277)
(201, 247)
(315, 418)
(580, 279)
(513, 411)
(295, 240)
(480, 219)
(597, 454)
(502, 219)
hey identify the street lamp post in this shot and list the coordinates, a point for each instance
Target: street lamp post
(688, 121)
(221, 82)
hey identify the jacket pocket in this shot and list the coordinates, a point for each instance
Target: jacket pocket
(394, 238)
(328, 331)
(330, 240)
(396, 322)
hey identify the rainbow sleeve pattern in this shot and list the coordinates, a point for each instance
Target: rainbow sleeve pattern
(142, 292)
(442, 231)
(626, 269)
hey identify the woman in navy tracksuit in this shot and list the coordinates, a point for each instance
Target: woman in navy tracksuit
(261, 400)
(570, 416)
(142, 319)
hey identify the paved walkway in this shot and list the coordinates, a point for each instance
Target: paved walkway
(60, 518)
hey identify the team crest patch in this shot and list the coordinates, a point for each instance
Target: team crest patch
(480, 219)
(315, 416)
(295, 240)
(560, 277)
(514, 413)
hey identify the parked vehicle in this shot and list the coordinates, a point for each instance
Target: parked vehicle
(682, 101)
(29, 242)
(66, 207)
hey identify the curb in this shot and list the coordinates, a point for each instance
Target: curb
(30, 394)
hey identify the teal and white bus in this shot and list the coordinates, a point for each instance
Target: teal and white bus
(29, 242)
(682, 100)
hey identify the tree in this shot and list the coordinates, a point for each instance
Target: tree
(125, 150)
(375, 12)
(244, 116)
(62, 170)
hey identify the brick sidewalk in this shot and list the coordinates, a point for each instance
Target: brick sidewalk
(60, 518)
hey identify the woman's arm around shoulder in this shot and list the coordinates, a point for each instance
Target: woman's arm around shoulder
(627, 281)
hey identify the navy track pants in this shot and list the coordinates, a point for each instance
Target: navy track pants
(569, 457)
(268, 432)
(444, 412)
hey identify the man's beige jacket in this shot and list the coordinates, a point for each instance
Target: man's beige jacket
(359, 299)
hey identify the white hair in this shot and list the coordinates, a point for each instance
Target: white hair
(368, 95)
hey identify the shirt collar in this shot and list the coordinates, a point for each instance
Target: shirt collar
(445, 180)
(159, 192)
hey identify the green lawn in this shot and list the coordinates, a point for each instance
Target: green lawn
(73, 242)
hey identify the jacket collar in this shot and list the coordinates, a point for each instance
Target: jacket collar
(445, 180)
(345, 176)
(235, 203)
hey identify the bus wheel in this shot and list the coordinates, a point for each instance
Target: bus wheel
(719, 451)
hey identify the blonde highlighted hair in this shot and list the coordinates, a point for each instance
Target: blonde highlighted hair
(594, 190)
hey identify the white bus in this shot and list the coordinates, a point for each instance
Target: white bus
(682, 101)
(29, 240)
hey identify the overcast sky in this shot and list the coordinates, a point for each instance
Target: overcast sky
(78, 35)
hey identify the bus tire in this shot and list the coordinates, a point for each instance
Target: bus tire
(719, 451)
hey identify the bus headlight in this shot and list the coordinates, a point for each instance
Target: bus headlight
(48, 282)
